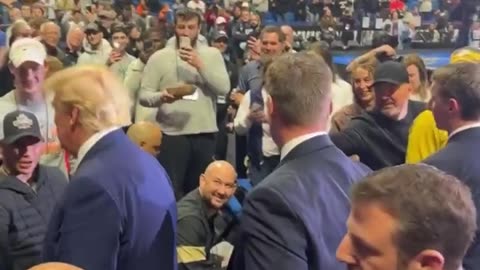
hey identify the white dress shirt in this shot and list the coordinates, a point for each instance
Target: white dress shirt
(290, 145)
(342, 94)
(242, 124)
(88, 144)
(460, 129)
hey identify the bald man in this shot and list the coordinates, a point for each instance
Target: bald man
(73, 49)
(50, 36)
(289, 33)
(147, 135)
(197, 213)
(55, 266)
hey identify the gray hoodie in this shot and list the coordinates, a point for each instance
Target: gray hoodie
(193, 115)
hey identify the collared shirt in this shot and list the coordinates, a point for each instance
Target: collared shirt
(242, 124)
(460, 129)
(290, 145)
(88, 144)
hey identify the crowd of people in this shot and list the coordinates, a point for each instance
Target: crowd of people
(115, 126)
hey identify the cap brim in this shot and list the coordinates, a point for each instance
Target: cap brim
(221, 37)
(13, 139)
(388, 81)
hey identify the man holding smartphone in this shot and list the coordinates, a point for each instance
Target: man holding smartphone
(263, 153)
(188, 119)
(119, 59)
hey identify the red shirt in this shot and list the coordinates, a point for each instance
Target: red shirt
(396, 5)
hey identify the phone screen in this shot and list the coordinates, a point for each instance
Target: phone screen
(185, 43)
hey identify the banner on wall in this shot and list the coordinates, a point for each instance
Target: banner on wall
(307, 31)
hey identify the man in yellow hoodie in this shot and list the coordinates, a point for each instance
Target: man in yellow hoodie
(425, 138)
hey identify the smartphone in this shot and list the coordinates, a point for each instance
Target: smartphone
(256, 107)
(185, 43)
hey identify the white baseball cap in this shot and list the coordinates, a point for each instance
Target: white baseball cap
(220, 20)
(27, 49)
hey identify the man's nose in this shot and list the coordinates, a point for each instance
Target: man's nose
(222, 190)
(344, 251)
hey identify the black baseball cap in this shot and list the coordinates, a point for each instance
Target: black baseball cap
(220, 35)
(390, 72)
(19, 124)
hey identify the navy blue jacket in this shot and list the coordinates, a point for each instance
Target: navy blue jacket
(460, 159)
(118, 212)
(295, 218)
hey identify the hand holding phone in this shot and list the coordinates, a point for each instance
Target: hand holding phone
(185, 43)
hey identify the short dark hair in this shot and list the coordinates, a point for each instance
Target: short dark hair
(461, 81)
(187, 14)
(273, 29)
(119, 27)
(433, 210)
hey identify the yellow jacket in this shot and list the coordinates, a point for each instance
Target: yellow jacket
(424, 138)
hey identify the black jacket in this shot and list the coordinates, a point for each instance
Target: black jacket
(24, 216)
(379, 141)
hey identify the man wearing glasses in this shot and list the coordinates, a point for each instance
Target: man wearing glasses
(197, 215)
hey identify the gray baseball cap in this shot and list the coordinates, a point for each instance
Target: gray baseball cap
(19, 124)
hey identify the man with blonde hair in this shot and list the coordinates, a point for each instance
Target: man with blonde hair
(118, 212)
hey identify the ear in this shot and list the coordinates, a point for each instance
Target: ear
(430, 259)
(142, 144)
(201, 180)
(453, 105)
(74, 116)
(270, 107)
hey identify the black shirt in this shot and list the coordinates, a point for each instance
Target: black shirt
(195, 233)
(378, 140)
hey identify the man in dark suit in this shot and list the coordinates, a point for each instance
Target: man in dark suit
(295, 218)
(118, 211)
(456, 108)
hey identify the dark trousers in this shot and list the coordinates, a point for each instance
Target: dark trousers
(185, 158)
(222, 135)
(240, 154)
(257, 174)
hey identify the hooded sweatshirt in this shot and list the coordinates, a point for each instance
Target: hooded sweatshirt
(194, 114)
(95, 57)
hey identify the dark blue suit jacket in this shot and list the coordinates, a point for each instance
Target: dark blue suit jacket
(460, 159)
(118, 211)
(296, 217)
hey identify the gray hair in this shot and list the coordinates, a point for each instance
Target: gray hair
(300, 86)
